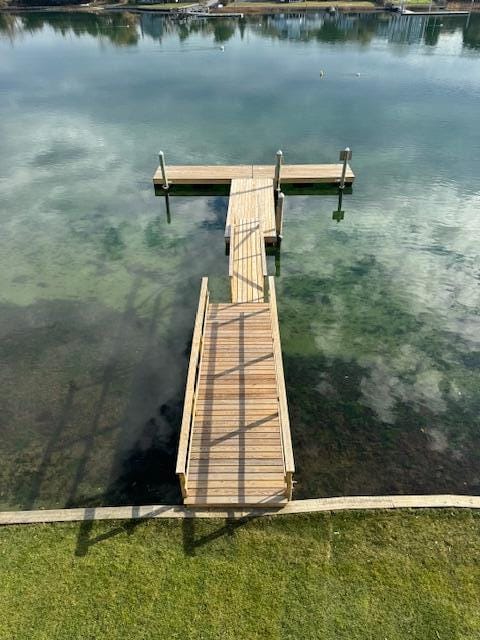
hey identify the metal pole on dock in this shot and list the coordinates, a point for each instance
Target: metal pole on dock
(345, 155)
(278, 167)
(279, 215)
(161, 158)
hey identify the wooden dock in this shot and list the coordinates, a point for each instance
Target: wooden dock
(235, 446)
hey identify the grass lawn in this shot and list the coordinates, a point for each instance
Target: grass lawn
(379, 575)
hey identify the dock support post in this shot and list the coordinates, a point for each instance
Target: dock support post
(278, 167)
(161, 158)
(279, 216)
(345, 155)
(289, 481)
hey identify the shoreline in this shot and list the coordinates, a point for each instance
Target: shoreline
(305, 506)
(263, 8)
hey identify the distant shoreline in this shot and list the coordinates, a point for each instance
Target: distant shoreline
(247, 8)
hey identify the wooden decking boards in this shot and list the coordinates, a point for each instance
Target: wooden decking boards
(235, 446)
(252, 199)
(236, 451)
(247, 262)
(224, 174)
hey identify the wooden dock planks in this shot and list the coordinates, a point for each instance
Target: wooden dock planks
(203, 174)
(224, 174)
(236, 452)
(306, 173)
(247, 262)
(252, 199)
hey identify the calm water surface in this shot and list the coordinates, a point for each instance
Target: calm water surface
(379, 312)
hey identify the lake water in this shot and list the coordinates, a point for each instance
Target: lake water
(379, 312)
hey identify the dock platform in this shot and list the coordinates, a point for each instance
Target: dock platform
(224, 174)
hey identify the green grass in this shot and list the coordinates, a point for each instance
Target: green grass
(372, 576)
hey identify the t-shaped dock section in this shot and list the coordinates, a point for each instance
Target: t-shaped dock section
(253, 190)
(224, 174)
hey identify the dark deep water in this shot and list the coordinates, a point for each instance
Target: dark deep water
(379, 313)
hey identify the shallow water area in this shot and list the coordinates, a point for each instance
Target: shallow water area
(379, 308)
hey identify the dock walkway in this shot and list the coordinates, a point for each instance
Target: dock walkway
(248, 262)
(236, 454)
(252, 199)
(235, 443)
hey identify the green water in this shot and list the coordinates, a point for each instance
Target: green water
(379, 313)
